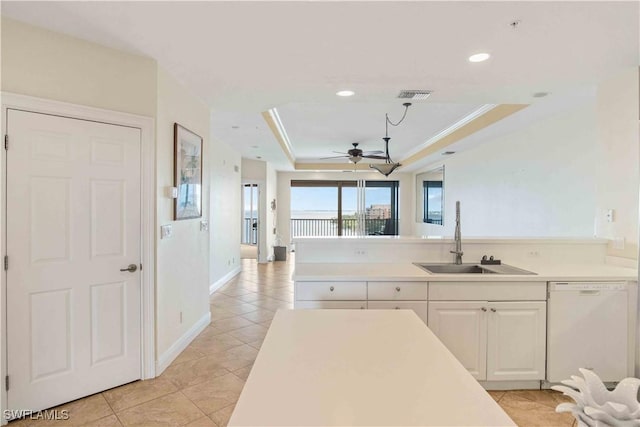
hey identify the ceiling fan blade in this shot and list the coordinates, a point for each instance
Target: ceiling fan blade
(334, 157)
(373, 152)
(375, 157)
(340, 152)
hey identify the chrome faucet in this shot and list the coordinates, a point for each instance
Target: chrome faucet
(458, 237)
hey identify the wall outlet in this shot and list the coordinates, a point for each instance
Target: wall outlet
(360, 252)
(533, 254)
(610, 215)
(166, 231)
(204, 225)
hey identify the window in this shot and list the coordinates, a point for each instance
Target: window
(335, 208)
(433, 202)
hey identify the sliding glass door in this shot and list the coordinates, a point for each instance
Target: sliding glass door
(381, 208)
(344, 208)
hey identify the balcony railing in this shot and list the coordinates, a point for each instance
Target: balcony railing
(307, 227)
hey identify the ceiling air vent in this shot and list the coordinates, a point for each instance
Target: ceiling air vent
(414, 94)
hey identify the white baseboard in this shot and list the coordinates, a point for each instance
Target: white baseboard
(170, 355)
(224, 279)
(511, 385)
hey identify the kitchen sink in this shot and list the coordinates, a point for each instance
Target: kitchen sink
(442, 268)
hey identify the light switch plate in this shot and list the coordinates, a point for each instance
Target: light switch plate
(172, 192)
(166, 231)
(204, 225)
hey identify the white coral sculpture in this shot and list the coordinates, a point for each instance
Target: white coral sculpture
(598, 407)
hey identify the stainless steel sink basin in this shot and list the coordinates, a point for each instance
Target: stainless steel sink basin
(453, 268)
(441, 268)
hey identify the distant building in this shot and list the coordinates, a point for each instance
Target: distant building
(378, 212)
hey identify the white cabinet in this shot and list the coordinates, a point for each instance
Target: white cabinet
(461, 326)
(387, 295)
(419, 307)
(397, 291)
(335, 291)
(516, 340)
(495, 341)
(331, 304)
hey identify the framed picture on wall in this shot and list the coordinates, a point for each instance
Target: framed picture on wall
(187, 166)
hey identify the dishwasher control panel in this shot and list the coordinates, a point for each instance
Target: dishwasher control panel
(587, 286)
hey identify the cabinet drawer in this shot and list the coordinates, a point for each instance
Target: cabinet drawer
(487, 291)
(420, 308)
(331, 304)
(397, 291)
(316, 291)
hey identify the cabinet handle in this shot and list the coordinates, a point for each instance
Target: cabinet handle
(397, 288)
(483, 309)
(331, 288)
(493, 310)
(397, 308)
(362, 307)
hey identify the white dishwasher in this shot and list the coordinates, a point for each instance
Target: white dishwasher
(588, 327)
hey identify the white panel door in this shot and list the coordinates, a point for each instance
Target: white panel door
(462, 328)
(516, 341)
(73, 221)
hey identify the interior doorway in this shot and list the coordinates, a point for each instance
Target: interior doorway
(249, 247)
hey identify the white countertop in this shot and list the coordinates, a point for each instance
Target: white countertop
(410, 272)
(437, 240)
(361, 368)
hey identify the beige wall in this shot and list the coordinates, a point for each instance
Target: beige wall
(270, 229)
(535, 182)
(182, 261)
(50, 65)
(226, 211)
(618, 156)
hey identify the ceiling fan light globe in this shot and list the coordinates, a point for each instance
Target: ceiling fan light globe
(355, 159)
(385, 168)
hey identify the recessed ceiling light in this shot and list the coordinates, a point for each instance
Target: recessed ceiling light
(479, 57)
(345, 93)
(448, 153)
(235, 127)
(254, 146)
(258, 157)
(540, 94)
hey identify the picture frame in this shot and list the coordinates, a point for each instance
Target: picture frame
(187, 178)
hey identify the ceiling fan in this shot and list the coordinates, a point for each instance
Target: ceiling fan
(355, 154)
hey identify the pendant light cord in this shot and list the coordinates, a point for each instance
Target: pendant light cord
(389, 122)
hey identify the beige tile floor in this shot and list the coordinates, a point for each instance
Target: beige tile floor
(202, 385)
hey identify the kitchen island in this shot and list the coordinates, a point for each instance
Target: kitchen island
(361, 368)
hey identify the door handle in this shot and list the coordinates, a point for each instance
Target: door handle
(131, 269)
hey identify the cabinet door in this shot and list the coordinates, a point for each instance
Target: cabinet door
(516, 341)
(331, 305)
(462, 328)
